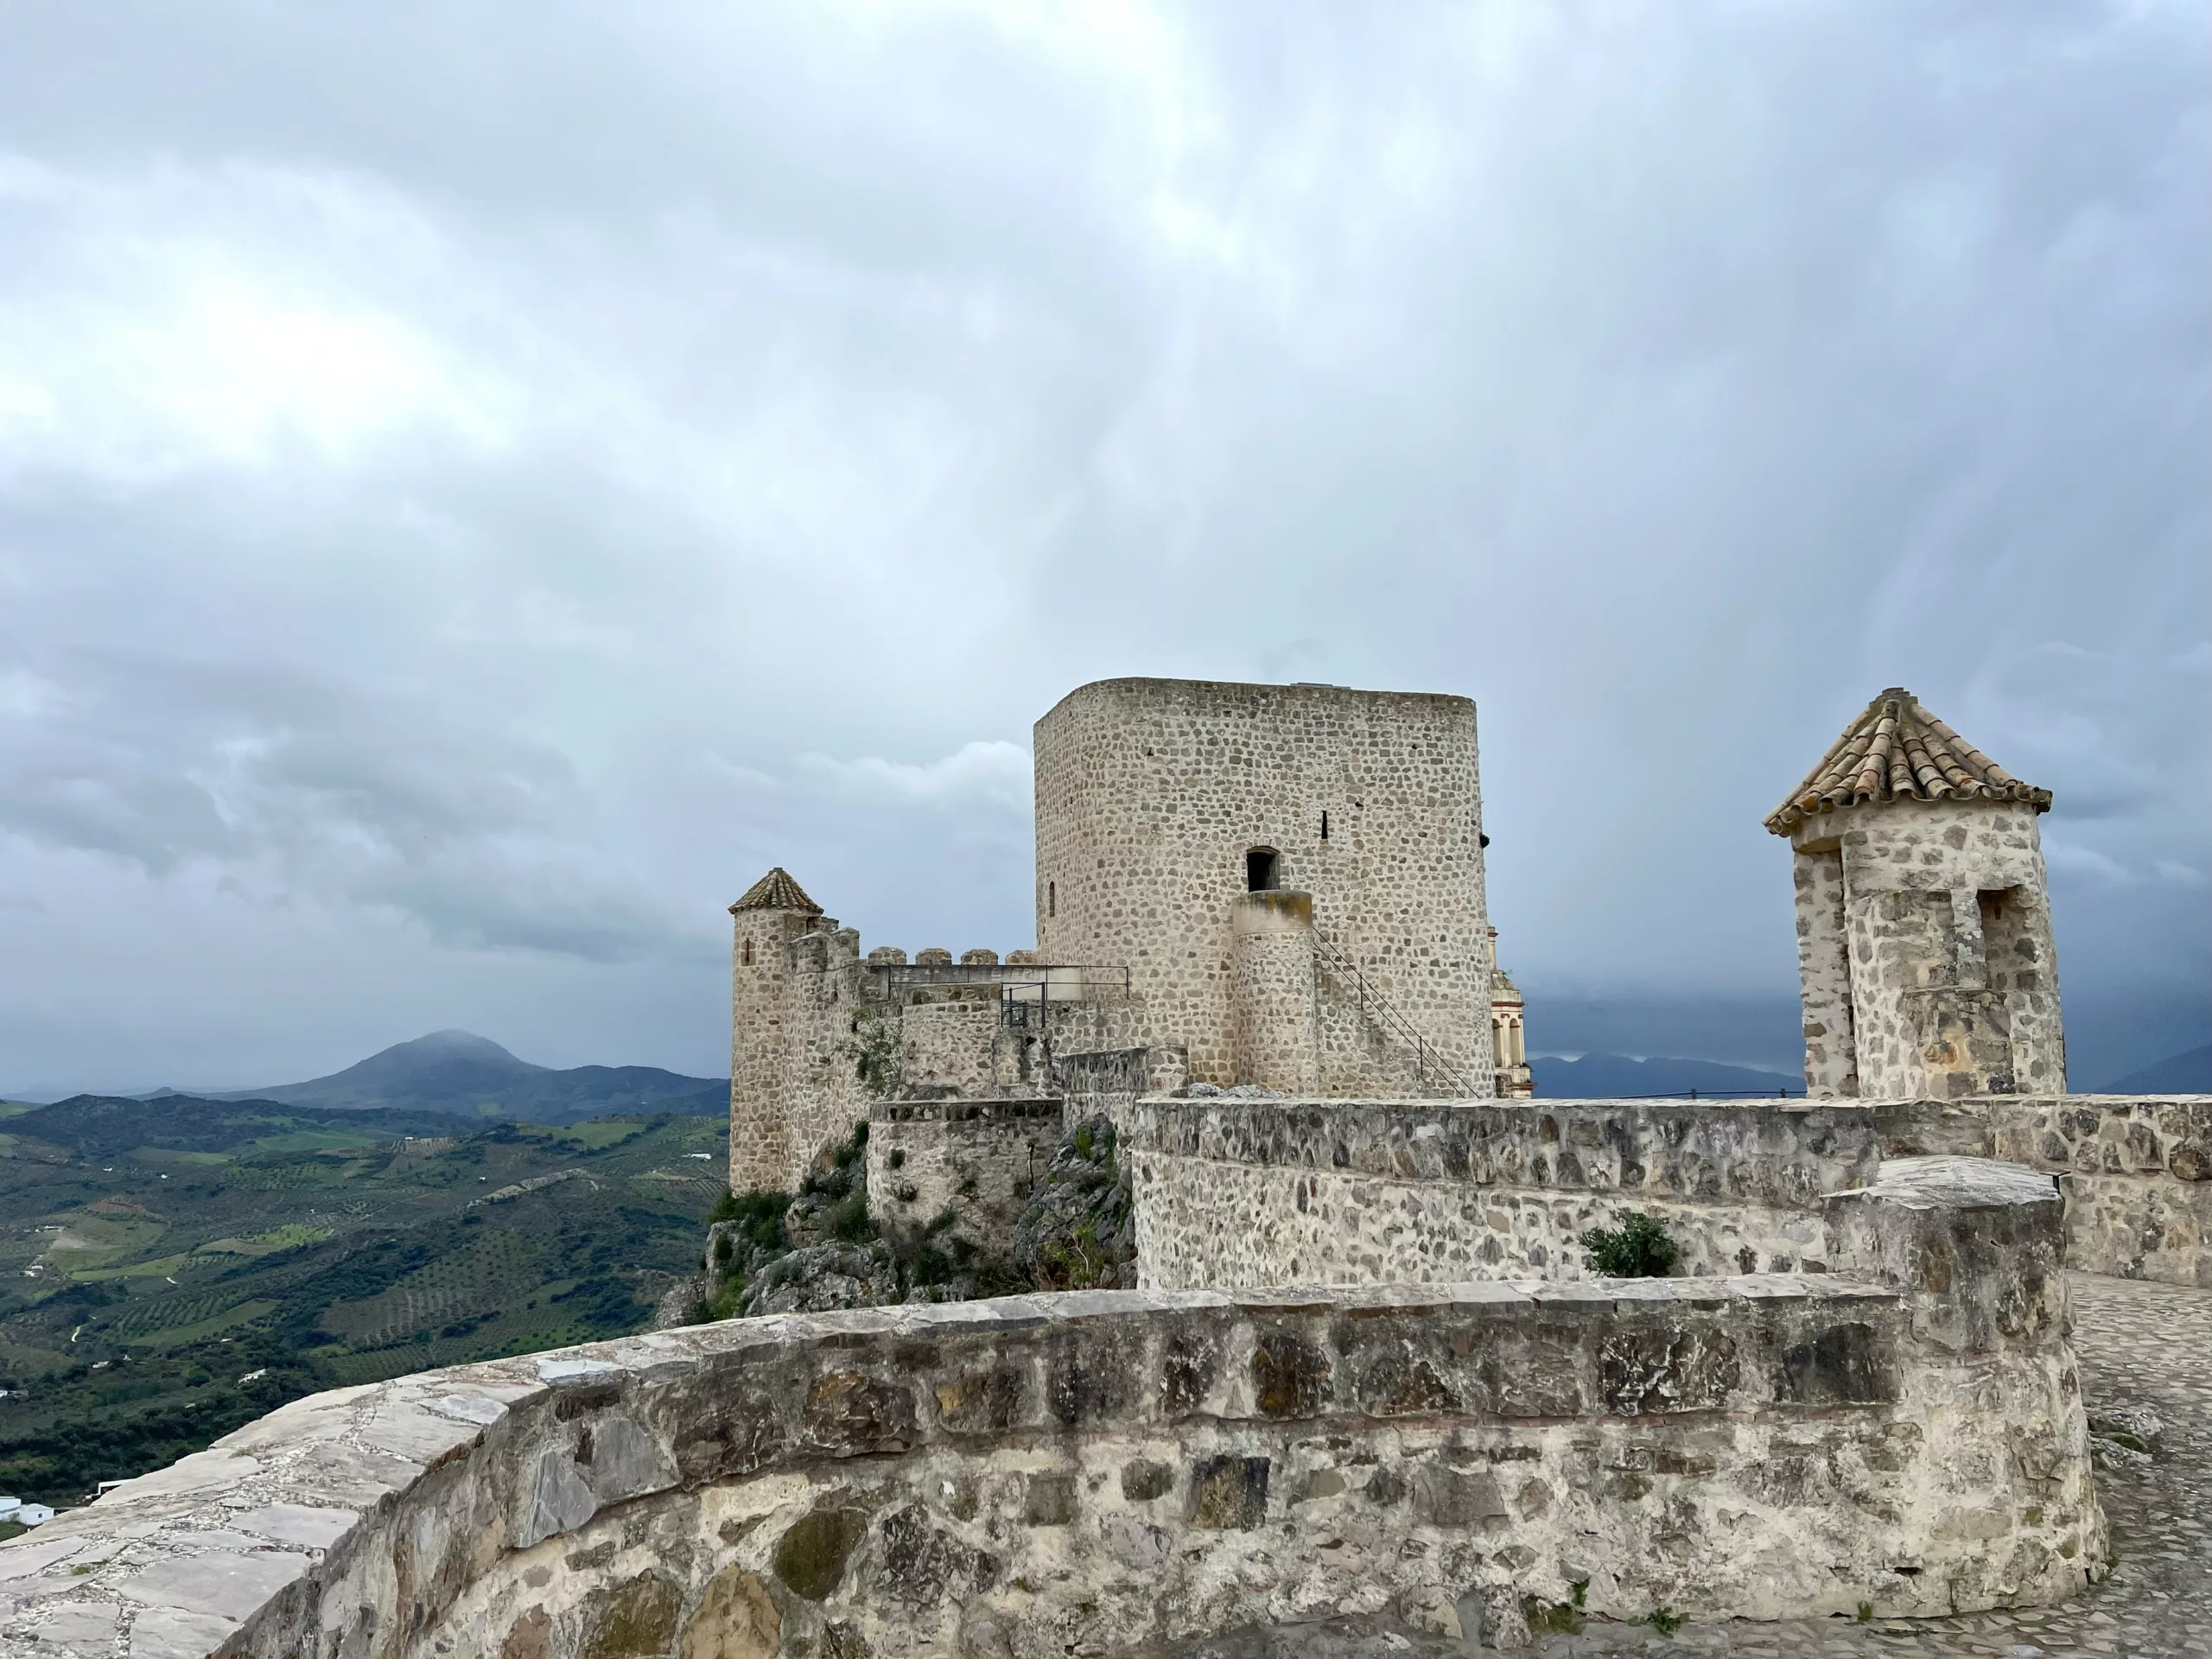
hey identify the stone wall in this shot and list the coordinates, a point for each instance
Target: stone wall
(979, 1159)
(1361, 1056)
(1946, 941)
(806, 1003)
(1824, 973)
(1241, 1192)
(1271, 991)
(1262, 1193)
(1092, 1080)
(2136, 1173)
(1150, 792)
(1093, 1470)
(946, 1041)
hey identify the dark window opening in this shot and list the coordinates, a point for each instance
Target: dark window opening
(1325, 826)
(2008, 949)
(1052, 897)
(745, 955)
(1261, 871)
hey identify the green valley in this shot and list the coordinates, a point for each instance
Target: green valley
(170, 1268)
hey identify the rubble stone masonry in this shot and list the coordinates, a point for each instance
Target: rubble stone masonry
(1094, 1471)
(1151, 795)
(1936, 917)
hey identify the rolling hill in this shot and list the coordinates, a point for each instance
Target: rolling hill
(172, 1267)
(2177, 1074)
(467, 1076)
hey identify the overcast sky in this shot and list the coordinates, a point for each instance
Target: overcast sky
(480, 484)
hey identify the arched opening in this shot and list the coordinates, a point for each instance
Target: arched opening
(1052, 897)
(1262, 870)
(1325, 826)
(744, 953)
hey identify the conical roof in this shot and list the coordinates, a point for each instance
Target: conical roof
(1896, 751)
(776, 890)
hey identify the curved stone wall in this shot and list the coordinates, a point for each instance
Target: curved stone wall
(1103, 1468)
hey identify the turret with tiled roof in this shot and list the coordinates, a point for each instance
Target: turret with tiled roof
(1897, 751)
(1923, 918)
(773, 920)
(776, 891)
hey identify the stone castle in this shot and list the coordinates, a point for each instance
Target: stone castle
(1370, 1370)
(1281, 889)
(1273, 887)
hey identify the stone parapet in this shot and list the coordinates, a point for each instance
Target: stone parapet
(2135, 1171)
(1234, 1192)
(1095, 1470)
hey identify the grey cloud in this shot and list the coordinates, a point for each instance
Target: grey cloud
(491, 484)
(301, 785)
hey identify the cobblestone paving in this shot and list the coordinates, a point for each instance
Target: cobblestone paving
(2139, 1345)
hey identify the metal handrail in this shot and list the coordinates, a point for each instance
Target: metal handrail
(1386, 1016)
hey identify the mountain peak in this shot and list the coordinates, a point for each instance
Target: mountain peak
(452, 1043)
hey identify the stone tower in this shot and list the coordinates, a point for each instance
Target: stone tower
(1293, 875)
(1923, 918)
(1508, 1040)
(774, 912)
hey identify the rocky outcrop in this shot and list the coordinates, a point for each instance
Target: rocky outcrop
(822, 1278)
(1076, 1232)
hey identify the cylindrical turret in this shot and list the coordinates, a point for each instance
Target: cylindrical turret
(1272, 991)
(774, 912)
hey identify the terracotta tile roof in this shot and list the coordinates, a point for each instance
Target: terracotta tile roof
(776, 890)
(1896, 751)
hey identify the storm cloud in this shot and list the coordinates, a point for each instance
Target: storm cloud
(478, 484)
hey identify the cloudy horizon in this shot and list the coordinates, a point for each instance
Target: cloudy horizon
(478, 488)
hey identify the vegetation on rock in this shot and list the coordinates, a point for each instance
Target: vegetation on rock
(1076, 1232)
(770, 1253)
(873, 1049)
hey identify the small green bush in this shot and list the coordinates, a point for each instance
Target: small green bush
(847, 1220)
(760, 1217)
(1637, 1248)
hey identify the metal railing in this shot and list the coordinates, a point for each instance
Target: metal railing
(1713, 1094)
(1081, 978)
(1379, 1007)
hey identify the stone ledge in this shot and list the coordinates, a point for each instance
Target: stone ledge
(1940, 1182)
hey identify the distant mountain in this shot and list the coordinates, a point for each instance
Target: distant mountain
(1616, 1076)
(2177, 1074)
(464, 1075)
